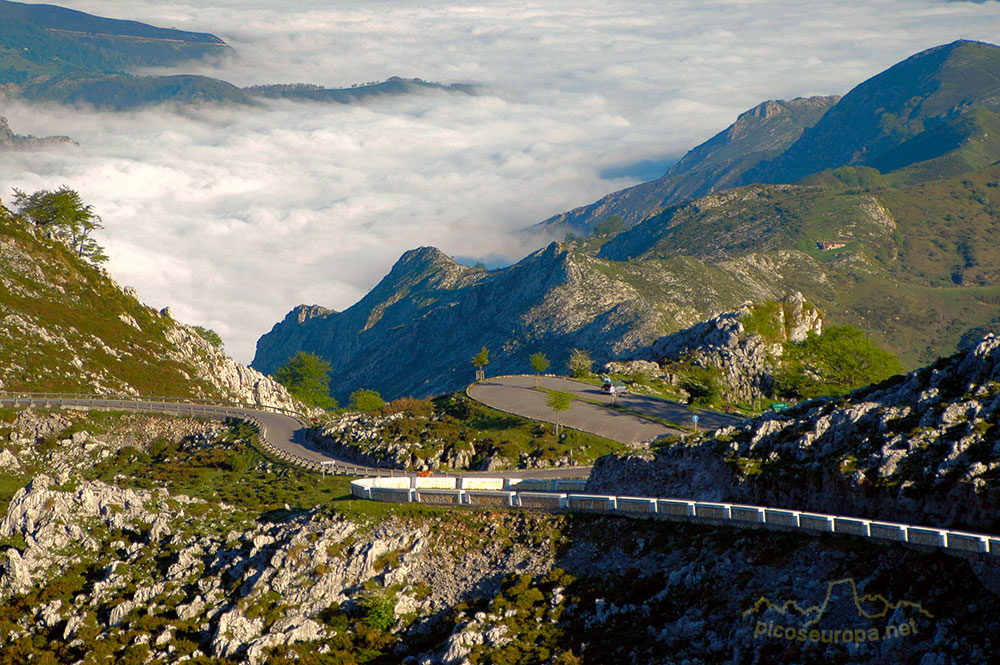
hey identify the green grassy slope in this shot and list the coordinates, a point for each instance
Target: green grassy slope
(65, 326)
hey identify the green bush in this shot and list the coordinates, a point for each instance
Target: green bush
(704, 384)
(579, 363)
(610, 226)
(380, 610)
(834, 363)
(209, 335)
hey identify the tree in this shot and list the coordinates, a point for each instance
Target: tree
(558, 402)
(481, 360)
(63, 214)
(579, 363)
(363, 399)
(306, 376)
(539, 363)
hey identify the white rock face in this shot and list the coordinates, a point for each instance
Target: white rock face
(215, 367)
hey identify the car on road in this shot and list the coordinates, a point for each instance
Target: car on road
(613, 388)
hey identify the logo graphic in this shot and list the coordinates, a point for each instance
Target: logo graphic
(803, 624)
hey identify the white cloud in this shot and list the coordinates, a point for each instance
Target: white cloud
(233, 216)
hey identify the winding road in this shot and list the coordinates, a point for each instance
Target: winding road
(282, 429)
(284, 432)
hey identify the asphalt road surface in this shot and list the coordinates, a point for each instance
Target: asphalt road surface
(515, 394)
(518, 395)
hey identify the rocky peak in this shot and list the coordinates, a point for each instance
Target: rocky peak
(423, 258)
(302, 313)
(791, 320)
(416, 266)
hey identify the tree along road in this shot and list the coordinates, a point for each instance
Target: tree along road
(283, 431)
(518, 395)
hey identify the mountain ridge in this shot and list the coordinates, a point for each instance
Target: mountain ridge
(720, 161)
(908, 99)
(54, 54)
(910, 113)
(906, 256)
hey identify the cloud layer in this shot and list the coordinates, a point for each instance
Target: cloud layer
(233, 216)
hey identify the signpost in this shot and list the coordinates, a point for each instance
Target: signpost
(694, 419)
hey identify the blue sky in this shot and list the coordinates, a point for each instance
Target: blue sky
(232, 217)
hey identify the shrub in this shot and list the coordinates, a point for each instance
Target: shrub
(418, 408)
(306, 377)
(209, 335)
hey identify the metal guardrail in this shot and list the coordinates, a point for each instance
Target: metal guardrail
(205, 408)
(150, 398)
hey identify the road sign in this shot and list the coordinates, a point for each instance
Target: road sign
(694, 418)
(779, 406)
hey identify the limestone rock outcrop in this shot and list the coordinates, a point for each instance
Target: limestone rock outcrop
(745, 358)
(213, 366)
(919, 448)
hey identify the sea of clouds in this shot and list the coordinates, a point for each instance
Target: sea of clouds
(232, 216)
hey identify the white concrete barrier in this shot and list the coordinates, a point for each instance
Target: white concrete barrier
(712, 511)
(815, 522)
(753, 514)
(787, 518)
(485, 492)
(970, 542)
(544, 500)
(674, 508)
(495, 484)
(487, 498)
(887, 531)
(636, 504)
(599, 502)
(855, 527)
(440, 497)
(436, 483)
(923, 536)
